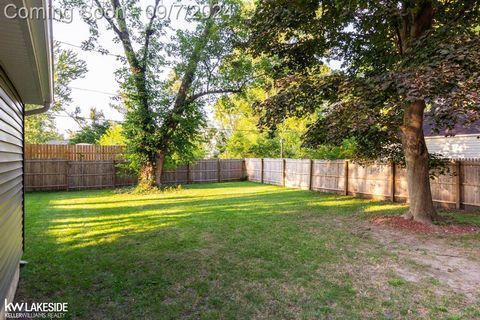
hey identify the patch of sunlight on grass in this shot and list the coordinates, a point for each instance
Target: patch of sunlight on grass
(384, 207)
(116, 217)
(336, 203)
(80, 237)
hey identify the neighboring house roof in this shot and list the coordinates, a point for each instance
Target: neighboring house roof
(58, 142)
(459, 129)
(26, 56)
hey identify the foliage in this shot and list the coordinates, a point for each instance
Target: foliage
(394, 53)
(113, 136)
(41, 128)
(93, 131)
(244, 139)
(90, 134)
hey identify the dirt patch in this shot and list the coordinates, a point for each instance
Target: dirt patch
(417, 227)
(432, 257)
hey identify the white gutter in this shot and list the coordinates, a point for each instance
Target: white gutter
(43, 109)
(42, 43)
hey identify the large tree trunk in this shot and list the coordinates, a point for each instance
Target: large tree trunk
(159, 168)
(417, 158)
(146, 178)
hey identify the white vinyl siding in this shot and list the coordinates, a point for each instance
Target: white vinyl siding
(460, 146)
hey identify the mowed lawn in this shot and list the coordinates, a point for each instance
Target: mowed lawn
(228, 250)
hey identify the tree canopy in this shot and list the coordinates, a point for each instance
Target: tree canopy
(385, 66)
(401, 60)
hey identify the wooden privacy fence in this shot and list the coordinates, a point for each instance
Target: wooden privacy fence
(76, 167)
(460, 188)
(54, 174)
(207, 170)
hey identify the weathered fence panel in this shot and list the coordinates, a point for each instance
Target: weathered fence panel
(469, 183)
(273, 171)
(443, 187)
(51, 174)
(253, 169)
(204, 171)
(373, 181)
(90, 175)
(208, 170)
(175, 176)
(297, 173)
(328, 176)
(232, 169)
(47, 174)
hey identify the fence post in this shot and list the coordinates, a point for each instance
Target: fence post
(219, 171)
(284, 167)
(244, 169)
(261, 170)
(393, 173)
(189, 178)
(67, 175)
(114, 174)
(458, 183)
(345, 173)
(310, 177)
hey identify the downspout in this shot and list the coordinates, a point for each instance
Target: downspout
(43, 109)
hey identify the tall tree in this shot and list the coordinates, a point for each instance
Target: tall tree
(41, 128)
(401, 59)
(164, 115)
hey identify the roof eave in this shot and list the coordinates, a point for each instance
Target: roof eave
(40, 31)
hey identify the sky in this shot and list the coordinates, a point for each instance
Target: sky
(95, 89)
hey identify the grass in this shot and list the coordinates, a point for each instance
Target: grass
(230, 250)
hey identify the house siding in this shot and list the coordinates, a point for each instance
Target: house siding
(456, 147)
(11, 187)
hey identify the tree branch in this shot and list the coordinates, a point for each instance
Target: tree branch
(124, 35)
(148, 34)
(209, 92)
(109, 19)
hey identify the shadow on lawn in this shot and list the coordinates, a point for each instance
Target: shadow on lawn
(179, 254)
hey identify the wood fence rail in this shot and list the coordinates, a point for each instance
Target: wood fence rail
(460, 188)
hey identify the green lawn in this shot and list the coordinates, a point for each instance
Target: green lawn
(229, 250)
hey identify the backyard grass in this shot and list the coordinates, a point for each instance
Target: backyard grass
(229, 250)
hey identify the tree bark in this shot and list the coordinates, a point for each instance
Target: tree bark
(159, 168)
(146, 178)
(417, 160)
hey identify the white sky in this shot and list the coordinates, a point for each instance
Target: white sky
(100, 76)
